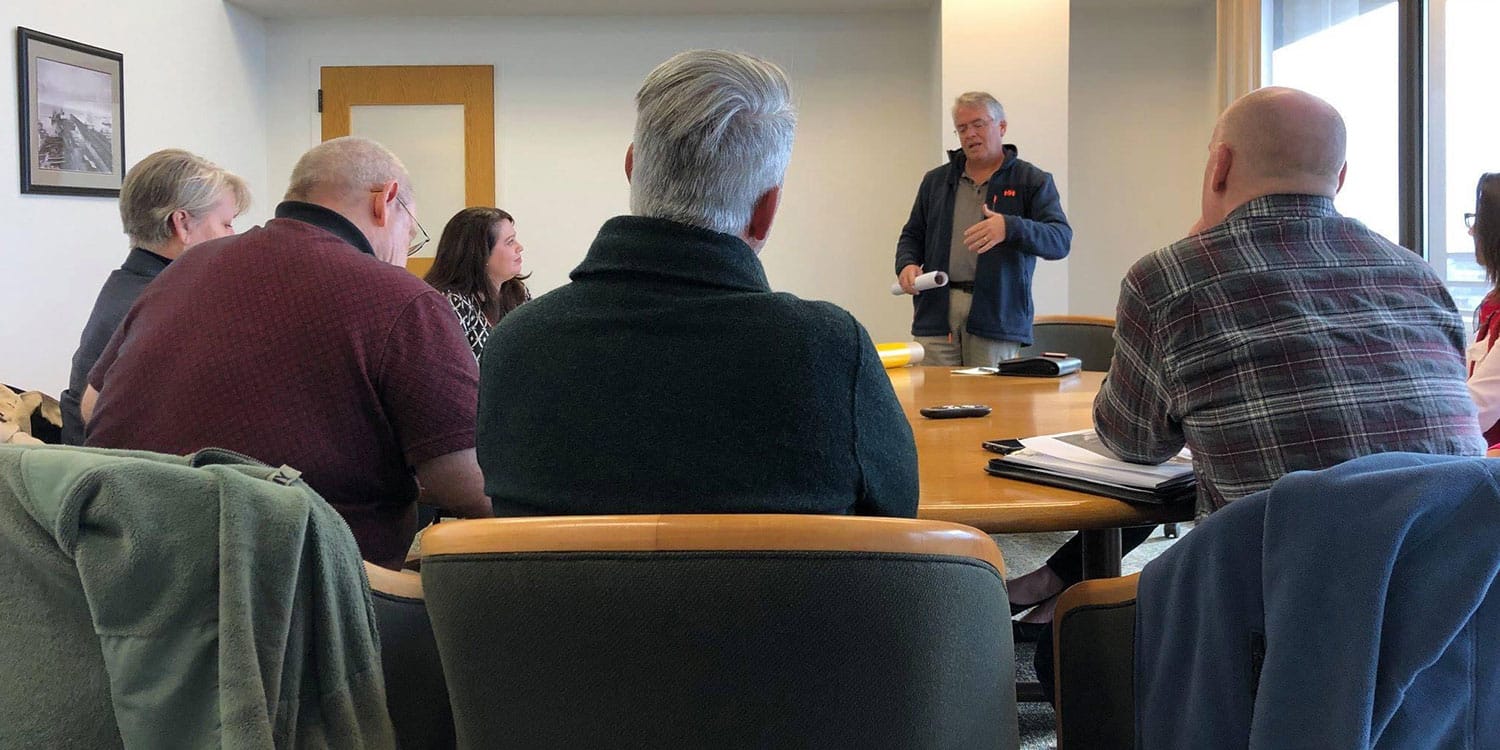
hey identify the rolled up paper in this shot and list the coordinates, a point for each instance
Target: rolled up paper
(929, 280)
(900, 355)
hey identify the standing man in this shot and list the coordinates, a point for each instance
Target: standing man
(983, 218)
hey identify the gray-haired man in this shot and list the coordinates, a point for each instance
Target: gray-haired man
(668, 377)
(983, 218)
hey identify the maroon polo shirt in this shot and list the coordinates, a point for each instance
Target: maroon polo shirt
(293, 344)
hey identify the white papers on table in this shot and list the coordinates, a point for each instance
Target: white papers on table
(1082, 454)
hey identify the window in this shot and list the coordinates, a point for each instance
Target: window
(1462, 141)
(1345, 51)
(1350, 52)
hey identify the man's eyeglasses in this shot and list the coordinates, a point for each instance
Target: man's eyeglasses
(975, 125)
(1469, 221)
(417, 245)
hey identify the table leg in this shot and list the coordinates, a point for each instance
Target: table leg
(1101, 553)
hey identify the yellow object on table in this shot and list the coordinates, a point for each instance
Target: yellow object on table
(900, 354)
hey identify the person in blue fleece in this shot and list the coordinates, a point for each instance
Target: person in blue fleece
(983, 218)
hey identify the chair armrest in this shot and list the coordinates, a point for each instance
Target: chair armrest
(406, 584)
(1099, 591)
(1083, 320)
(716, 532)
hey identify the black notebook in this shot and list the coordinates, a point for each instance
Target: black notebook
(1175, 492)
(1041, 366)
(1081, 462)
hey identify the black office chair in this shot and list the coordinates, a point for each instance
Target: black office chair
(1233, 650)
(415, 693)
(1087, 337)
(1093, 645)
(724, 631)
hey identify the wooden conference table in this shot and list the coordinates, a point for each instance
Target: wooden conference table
(956, 488)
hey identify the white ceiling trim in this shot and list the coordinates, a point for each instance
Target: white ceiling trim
(459, 8)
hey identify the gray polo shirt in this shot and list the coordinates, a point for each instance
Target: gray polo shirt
(968, 210)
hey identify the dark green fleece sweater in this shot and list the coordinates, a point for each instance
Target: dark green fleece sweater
(669, 378)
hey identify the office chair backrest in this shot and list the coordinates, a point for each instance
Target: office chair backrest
(415, 692)
(1087, 337)
(1093, 647)
(722, 631)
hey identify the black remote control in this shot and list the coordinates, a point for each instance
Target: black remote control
(955, 411)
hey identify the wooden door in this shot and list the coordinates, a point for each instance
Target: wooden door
(439, 119)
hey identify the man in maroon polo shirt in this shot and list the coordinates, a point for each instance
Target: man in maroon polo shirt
(306, 343)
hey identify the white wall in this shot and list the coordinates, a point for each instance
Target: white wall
(194, 78)
(1116, 102)
(1141, 111)
(565, 112)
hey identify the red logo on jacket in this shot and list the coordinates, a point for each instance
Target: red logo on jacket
(1008, 193)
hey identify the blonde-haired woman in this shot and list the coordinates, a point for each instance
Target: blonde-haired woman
(170, 201)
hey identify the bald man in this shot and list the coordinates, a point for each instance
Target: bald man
(306, 342)
(1279, 336)
(1282, 336)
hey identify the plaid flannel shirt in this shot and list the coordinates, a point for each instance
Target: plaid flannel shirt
(1286, 338)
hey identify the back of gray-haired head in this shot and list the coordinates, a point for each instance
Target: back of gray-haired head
(344, 168)
(980, 99)
(713, 133)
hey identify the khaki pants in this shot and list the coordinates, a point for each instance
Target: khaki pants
(961, 348)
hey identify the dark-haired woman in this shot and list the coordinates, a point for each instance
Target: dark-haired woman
(1484, 361)
(478, 265)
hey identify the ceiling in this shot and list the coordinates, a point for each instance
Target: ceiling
(1143, 4)
(439, 8)
(432, 8)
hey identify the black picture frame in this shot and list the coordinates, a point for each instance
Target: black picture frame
(72, 116)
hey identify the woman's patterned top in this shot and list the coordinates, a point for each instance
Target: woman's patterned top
(471, 316)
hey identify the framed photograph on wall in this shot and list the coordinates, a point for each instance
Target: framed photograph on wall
(72, 104)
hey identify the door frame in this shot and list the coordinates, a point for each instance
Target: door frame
(472, 86)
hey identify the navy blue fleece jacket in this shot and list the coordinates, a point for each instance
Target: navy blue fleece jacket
(1035, 227)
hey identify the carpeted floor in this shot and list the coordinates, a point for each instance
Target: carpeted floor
(1023, 553)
